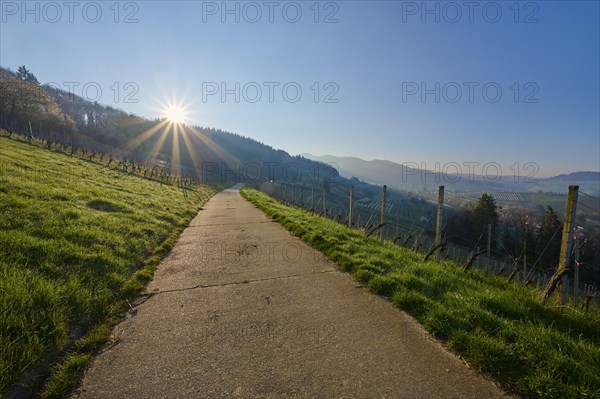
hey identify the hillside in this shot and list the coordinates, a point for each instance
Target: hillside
(200, 152)
(404, 177)
(77, 240)
(587, 181)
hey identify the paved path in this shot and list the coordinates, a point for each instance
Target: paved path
(245, 310)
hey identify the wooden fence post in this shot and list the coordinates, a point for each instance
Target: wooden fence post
(525, 259)
(438, 225)
(350, 209)
(489, 246)
(383, 190)
(576, 274)
(565, 247)
(324, 205)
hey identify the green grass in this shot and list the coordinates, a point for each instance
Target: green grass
(501, 329)
(77, 240)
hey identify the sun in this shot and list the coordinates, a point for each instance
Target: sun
(175, 114)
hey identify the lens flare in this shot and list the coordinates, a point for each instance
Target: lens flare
(175, 114)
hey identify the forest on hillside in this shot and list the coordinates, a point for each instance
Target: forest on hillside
(203, 152)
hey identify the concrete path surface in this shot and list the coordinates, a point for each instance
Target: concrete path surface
(242, 309)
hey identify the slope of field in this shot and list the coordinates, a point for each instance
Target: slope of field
(77, 239)
(502, 329)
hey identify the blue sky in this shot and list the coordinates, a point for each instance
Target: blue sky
(375, 61)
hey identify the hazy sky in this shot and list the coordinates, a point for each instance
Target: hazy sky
(430, 82)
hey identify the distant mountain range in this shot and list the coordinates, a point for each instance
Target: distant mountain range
(407, 178)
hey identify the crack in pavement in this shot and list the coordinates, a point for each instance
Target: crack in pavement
(148, 295)
(230, 224)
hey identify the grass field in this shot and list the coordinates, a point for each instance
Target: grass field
(501, 329)
(77, 240)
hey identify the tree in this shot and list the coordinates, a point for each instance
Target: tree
(24, 74)
(485, 214)
(530, 244)
(550, 238)
(458, 228)
(512, 240)
(27, 102)
(590, 256)
(519, 236)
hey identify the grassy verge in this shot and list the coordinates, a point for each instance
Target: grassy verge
(77, 241)
(501, 329)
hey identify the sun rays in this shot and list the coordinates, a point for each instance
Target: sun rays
(185, 142)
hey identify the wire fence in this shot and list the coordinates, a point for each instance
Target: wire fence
(384, 218)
